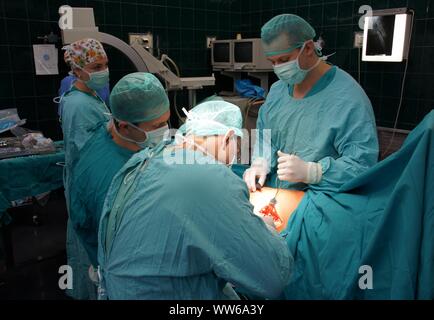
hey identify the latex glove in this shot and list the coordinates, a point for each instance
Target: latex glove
(259, 169)
(292, 169)
(93, 274)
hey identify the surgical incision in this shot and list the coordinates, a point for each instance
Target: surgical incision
(270, 211)
(278, 205)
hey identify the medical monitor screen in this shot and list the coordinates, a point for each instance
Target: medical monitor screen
(221, 52)
(380, 37)
(243, 52)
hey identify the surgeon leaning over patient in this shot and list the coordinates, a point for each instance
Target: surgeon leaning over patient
(177, 222)
(140, 111)
(323, 130)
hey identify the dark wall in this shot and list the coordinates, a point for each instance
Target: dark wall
(337, 21)
(182, 26)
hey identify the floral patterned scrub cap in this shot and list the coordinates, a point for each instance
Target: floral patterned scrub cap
(83, 52)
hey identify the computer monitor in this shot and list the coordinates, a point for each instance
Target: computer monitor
(222, 54)
(249, 55)
(387, 36)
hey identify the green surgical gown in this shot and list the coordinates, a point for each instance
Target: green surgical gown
(183, 231)
(100, 159)
(333, 125)
(81, 112)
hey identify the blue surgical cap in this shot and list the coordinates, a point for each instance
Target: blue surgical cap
(138, 97)
(284, 33)
(213, 118)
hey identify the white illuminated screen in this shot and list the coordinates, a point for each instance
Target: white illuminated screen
(385, 40)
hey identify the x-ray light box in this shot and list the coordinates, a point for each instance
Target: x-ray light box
(387, 36)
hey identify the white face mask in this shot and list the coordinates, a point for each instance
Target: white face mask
(291, 72)
(97, 79)
(153, 138)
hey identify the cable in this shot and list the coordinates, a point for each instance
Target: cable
(246, 113)
(402, 91)
(163, 59)
(360, 64)
(278, 182)
(252, 102)
(176, 108)
(166, 84)
(397, 113)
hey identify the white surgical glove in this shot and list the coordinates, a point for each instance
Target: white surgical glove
(292, 169)
(93, 275)
(259, 169)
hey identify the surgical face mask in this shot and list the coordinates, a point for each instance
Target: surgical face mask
(97, 80)
(153, 137)
(291, 73)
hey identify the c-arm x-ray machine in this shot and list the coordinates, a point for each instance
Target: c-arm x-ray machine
(83, 26)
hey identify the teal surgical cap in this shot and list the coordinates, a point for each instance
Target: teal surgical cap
(138, 97)
(213, 118)
(285, 33)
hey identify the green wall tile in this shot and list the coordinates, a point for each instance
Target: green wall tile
(182, 27)
(15, 9)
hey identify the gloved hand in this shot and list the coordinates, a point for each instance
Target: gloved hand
(259, 168)
(93, 274)
(292, 169)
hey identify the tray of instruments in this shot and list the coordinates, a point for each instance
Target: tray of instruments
(12, 147)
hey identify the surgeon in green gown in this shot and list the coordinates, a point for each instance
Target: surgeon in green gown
(82, 109)
(316, 129)
(140, 111)
(177, 222)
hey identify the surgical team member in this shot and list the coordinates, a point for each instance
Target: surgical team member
(177, 222)
(140, 111)
(82, 109)
(323, 130)
(67, 83)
